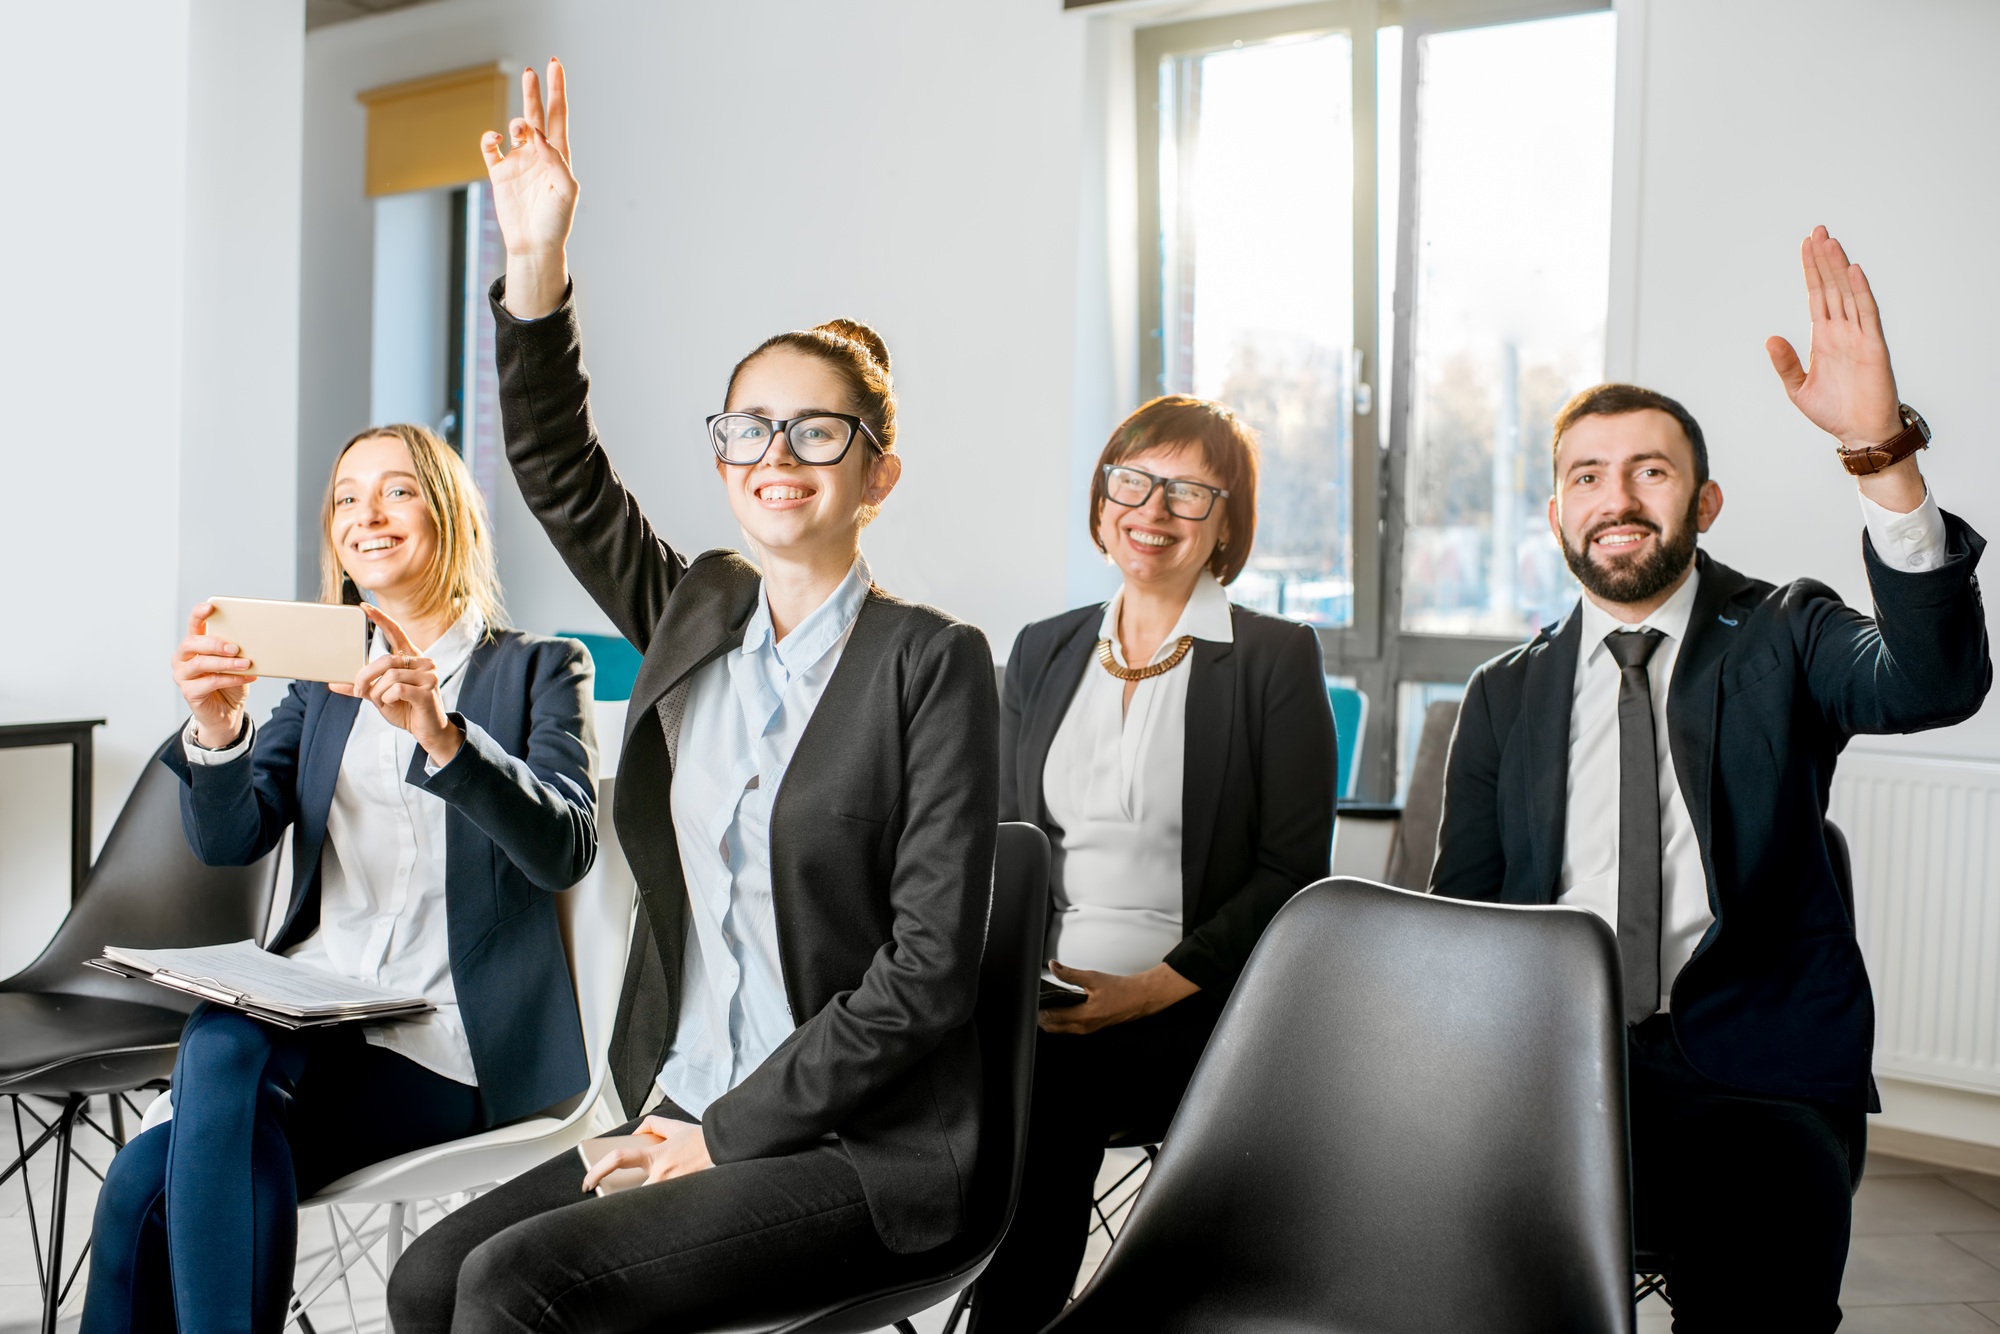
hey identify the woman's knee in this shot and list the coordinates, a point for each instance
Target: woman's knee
(218, 1042)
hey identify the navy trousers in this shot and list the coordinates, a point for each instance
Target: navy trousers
(197, 1224)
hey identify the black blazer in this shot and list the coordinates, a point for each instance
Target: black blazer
(881, 837)
(1769, 685)
(521, 825)
(1258, 787)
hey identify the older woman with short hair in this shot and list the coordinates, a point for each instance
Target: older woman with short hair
(1179, 752)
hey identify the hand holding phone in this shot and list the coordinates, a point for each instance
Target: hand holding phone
(212, 674)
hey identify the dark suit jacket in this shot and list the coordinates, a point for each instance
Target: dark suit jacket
(1769, 685)
(881, 837)
(521, 825)
(1258, 787)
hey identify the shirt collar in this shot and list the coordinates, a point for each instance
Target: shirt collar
(1670, 618)
(819, 631)
(452, 649)
(1206, 616)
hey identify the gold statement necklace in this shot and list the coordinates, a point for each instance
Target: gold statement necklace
(1167, 664)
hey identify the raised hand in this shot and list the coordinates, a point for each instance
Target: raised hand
(1848, 389)
(403, 686)
(205, 669)
(534, 194)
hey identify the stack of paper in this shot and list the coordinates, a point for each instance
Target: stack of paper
(266, 986)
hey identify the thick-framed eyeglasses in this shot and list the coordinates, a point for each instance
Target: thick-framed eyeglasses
(819, 439)
(1132, 487)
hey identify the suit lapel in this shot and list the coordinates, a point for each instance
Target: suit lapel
(1693, 698)
(1211, 706)
(706, 615)
(317, 776)
(1548, 694)
(1046, 711)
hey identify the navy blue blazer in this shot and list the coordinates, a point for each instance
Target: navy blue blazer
(521, 826)
(1768, 688)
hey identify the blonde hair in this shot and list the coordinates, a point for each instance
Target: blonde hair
(461, 572)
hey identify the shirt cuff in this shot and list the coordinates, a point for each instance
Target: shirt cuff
(1912, 543)
(199, 754)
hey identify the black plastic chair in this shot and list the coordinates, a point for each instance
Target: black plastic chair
(1411, 1118)
(1649, 1267)
(1009, 986)
(70, 1033)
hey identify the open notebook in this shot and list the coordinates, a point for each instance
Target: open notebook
(271, 987)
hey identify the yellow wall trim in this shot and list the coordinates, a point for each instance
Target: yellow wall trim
(424, 133)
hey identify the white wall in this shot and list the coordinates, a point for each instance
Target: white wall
(151, 369)
(1758, 121)
(758, 166)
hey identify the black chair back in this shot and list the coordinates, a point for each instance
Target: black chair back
(147, 890)
(1009, 995)
(1410, 1118)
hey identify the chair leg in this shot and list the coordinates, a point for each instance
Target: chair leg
(392, 1246)
(117, 1101)
(959, 1308)
(52, 1278)
(904, 1327)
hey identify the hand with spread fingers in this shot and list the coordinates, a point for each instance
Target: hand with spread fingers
(209, 671)
(1847, 387)
(403, 685)
(1114, 998)
(534, 194)
(681, 1151)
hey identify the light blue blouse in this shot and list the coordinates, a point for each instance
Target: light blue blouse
(746, 711)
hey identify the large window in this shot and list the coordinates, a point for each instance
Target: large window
(1381, 233)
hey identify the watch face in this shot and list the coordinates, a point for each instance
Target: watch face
(1911, 417)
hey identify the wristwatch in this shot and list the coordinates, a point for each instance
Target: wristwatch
(1915, 435)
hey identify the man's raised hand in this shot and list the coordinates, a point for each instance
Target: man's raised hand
(1847, 389)
(534, 194)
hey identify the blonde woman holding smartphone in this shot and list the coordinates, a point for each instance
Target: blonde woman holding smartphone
(438, 803)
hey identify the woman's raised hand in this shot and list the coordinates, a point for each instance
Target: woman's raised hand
(205, 669)
(534, 195)
(403, 686)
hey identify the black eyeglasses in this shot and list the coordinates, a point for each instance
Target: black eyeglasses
(1185, 500)
(818, 439)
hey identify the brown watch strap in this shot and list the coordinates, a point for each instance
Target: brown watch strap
(1874, 458)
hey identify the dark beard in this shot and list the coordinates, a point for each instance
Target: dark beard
(1636, 581)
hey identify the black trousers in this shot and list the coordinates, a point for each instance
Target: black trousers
(1748, 1197)
(1122, 1081)
(693, 1253)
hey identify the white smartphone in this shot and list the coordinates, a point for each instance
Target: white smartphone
(303, 641)
(623, 1178)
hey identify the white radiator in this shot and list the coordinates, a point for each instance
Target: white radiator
(1925, 835)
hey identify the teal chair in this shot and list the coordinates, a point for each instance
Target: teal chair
(1350, 725)
(617, 663)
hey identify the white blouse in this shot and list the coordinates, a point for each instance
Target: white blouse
(382, 871)
(1112, 784)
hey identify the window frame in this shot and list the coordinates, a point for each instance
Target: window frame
(1373, 650)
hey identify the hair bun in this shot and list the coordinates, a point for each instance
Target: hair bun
(855, 331)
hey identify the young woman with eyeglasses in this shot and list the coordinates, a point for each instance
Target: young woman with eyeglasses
(1179, 752)
(806, 796)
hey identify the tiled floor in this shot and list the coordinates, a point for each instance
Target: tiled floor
(1925, 1257)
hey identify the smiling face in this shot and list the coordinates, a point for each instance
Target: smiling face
(1151, 547)
(1628, 506)
(788, 509)
(380, 526)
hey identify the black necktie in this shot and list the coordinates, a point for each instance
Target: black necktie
(1638, 824)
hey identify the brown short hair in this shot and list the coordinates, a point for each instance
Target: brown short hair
(462, 572)
(1615, 400)
(1228, 448)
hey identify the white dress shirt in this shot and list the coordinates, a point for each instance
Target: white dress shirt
(746, 711)
(1112, 783)
(1913, 542)
(382, 870)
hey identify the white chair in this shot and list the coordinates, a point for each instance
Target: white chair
(597, 929)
